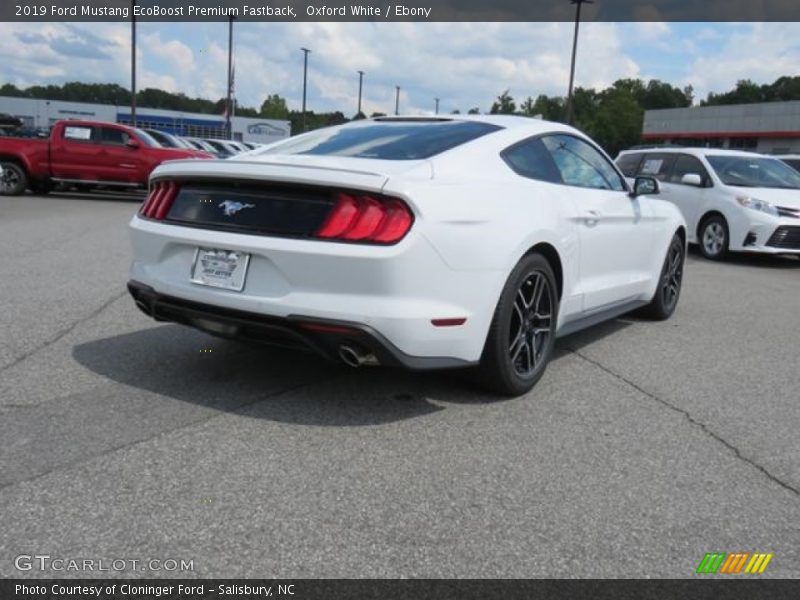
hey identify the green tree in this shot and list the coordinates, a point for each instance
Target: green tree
(474, 111)
(504, 105)
(274, 107)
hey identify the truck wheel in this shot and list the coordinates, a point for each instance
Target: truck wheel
(14, 180)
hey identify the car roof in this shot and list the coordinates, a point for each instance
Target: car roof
(514, 122)
(693, 151)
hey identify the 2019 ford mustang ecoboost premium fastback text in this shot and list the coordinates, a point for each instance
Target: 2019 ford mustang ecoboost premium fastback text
(420, 242)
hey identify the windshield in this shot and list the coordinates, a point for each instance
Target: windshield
(147, 139)
(388, 140)
(754, 171)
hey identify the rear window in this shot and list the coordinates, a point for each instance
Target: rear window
(386, 140)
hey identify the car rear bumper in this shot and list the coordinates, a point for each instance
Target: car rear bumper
(396, 290)
(323, 336)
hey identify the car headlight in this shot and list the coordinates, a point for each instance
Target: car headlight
(756, 204)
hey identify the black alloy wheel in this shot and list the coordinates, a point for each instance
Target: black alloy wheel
(522, 334)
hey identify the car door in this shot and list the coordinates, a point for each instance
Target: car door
(117, 160)
(73, 152)
(688, 197)
(615, 231)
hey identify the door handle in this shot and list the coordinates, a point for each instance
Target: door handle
(592, 216)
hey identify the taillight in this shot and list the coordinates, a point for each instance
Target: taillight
(363, 218)
(162, 195)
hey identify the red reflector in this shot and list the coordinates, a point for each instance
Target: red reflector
(370, 215)
(323, 328)
(448, 322)
(340, 219)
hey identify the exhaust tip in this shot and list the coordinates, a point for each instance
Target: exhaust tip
(356, 357)
(142, 305)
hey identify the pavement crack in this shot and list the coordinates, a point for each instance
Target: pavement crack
(214, 415)
(694, 422)
(62, 333)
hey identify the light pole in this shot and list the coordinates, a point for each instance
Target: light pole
(437, 105)
(133, 64)
(397, 100)
(574, 52)
(305, 81)
(230, 82)
(360, 87)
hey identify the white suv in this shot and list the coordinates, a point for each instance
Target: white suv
(731, 200)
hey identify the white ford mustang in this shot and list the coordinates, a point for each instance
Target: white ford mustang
(419, 242)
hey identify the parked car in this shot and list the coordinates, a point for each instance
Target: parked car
(84, 153)
(793, 160)
(454, 242)
(223, 148)
(167, 140)
(199, 144)
(731, 200)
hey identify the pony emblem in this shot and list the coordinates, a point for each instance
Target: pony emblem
(231, 207)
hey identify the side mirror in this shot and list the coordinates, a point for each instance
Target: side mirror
(645, 186)
(132, 144)
(692, 179)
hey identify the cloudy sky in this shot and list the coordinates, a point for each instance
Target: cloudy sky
(465, 64)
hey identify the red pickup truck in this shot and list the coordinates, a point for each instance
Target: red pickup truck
(86, 154)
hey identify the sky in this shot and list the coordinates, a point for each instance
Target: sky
(464, 64)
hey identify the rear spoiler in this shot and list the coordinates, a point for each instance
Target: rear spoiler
(268, 171)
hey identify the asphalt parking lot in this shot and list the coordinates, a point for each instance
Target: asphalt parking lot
(644, 446)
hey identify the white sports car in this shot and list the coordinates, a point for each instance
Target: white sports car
(420, 242)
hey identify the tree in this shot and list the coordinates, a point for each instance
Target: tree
(455, 112)
(551, 109)
(746, 92)
(527, 108)
(474, 111)
(504, 105)
(359, 116)
(274, 107)
(616, 122)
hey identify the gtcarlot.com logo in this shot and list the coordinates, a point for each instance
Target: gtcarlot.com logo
(734, 563)
(45, 562)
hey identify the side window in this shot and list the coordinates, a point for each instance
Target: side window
(531, 159)
(688, 164)
(658, 166)
(112, 135)
(78, 133)
(581, 165)
(629, 164)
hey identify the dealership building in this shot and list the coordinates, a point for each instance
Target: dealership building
(768, 127)
(41, 114)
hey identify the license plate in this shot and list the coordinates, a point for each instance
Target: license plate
(226, 269)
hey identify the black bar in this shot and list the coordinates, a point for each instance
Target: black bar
(420, 10)
(407, 589)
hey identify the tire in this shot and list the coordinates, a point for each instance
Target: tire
(14, 180)
(714, 238)
(670, 282)
(522, 333)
